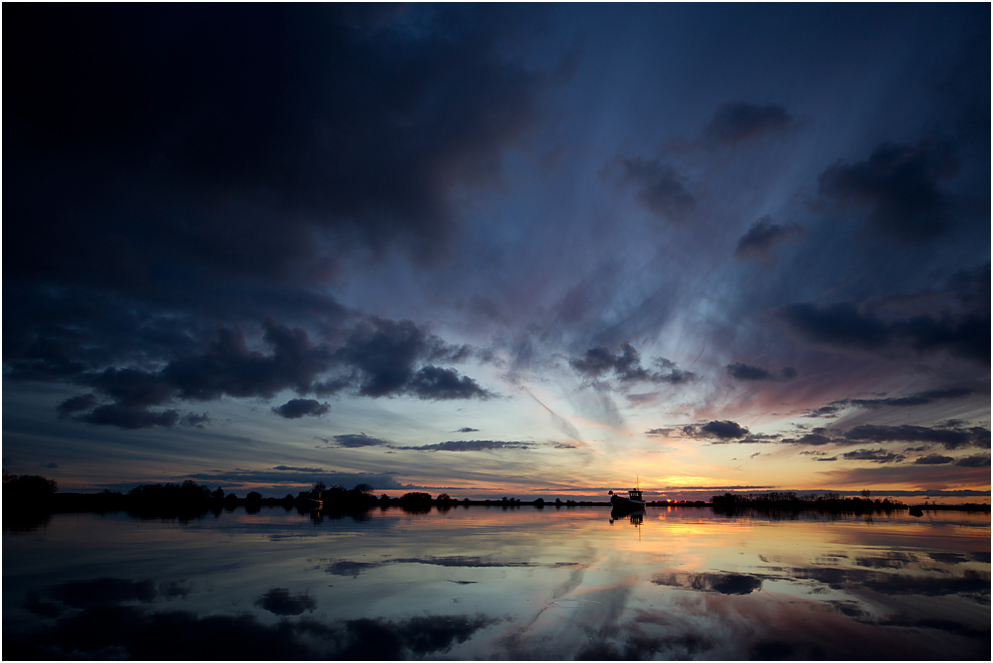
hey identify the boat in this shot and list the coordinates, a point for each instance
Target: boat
(633, 501)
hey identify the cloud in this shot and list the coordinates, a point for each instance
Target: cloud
(949, 437)
(739, 121)
(744, 372)
(75, 404)
(301, 407)
(103, 591)
(721, 430)
(375, 358)
(626, 366)
(384, 354)
(913, 400)
(899, 185)
(466, 429)
(354, 441)
(823, 411)
(764, 235)
(659, 188)
(934, 459)
(195, 420)
(874, 455)
(228, 367)
(731, 583)
(843, 325)
(250, 108)
(129, 418)
(433, 383)
(974, 461)
(471, 445)
(172, 634)
(928, 480)
(838, 325)
(280, 602)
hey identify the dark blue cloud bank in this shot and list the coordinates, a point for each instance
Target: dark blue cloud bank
(229, 223)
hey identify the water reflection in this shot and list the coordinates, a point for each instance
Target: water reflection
(519, 583)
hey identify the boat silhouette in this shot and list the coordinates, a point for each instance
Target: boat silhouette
(633, 502)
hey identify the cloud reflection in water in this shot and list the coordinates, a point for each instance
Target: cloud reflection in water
(483, 583)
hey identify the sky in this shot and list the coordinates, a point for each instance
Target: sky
(521, 250)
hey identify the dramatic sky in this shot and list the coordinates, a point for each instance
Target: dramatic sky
(499, 250)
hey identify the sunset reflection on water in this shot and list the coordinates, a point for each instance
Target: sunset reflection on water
(483, 582)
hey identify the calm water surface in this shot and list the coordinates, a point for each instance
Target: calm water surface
(482, 582)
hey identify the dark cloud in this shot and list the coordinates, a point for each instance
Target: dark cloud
(839, 325)
(934, 459)
(626, 366)
(280, 602)
(301, 407)
(433, 383)
(741, 371)
(130, 418)
(75, 404)
(874, 455)
(710, 582)
(131, 387)
(948, 437)
(913, 400)
(899, 185)
(351, 569)
(172, 635)
(461, 561)
(723, 430)
(384, 354)
(970, 582)
(951, 435)
(466, 429)
(843, 325)
(195, 420)
(823, 411)
(472, 445)
(659, 188)
(369, 136)
(739, 121)
(376, 358)
(974, 461)
(354, 569)
(764, 235)
(353, 441)
(103, 591)
(228, 367)
(744, 372)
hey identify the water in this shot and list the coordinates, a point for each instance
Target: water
(482, 582)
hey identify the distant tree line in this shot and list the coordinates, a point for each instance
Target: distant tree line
(790, 501)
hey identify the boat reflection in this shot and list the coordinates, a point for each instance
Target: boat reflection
(635, 516)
